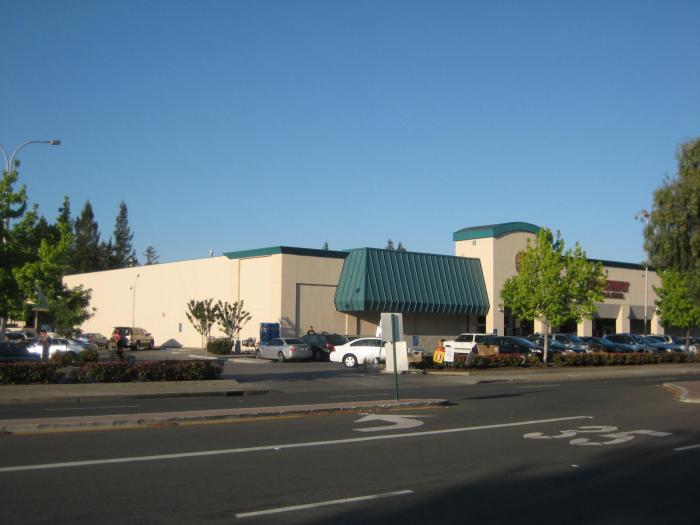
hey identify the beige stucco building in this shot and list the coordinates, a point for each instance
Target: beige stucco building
(345, 292)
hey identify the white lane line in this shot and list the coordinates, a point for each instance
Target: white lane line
(362, 395)
(680, 449)
(204, 453)
(90, 408)
(322, 504)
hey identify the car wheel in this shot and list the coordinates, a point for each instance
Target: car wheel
(350, 361)
(280, 357)
(258, 355)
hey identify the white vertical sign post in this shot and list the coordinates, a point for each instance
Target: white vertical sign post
(397, 359)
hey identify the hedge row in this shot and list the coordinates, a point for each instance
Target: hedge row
(110, 372)
(568, 359)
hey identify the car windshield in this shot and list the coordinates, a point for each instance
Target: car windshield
(574, 338)
(522, 341)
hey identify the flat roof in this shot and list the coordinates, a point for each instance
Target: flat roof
(290, 250)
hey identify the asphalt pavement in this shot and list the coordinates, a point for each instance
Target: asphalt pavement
(546, 450)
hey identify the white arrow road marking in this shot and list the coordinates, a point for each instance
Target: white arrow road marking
(397, 422)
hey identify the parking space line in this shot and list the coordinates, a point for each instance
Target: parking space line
(322, 504)
(681, 449)
(283, 446)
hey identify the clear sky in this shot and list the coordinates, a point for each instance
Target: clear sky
(231, 125)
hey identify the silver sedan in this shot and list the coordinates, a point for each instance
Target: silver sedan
(284, 349)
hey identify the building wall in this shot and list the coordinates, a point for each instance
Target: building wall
(259, 286)
(158, 302)
(497, 257)
(308, 287)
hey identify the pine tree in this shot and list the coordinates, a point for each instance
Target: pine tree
(389, 245)
(151, 256)
(86, 250)
(124, 253)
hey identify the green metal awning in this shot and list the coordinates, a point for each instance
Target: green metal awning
(375, 280)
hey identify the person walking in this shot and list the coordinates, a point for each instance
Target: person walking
(45, 342)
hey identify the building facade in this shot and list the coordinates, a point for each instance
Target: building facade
(346, 291)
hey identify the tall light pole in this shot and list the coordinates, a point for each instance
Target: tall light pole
(133, 303)
(643, 216)
(9, 161)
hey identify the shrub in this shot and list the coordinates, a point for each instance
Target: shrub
(27, 373)
(89, 355)
(110, 372)
(220, 346)
(118, 371)
(61, 359)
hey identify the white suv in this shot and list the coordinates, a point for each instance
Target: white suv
(464, 342)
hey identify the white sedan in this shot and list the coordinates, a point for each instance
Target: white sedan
(58, 344)
(366, 349)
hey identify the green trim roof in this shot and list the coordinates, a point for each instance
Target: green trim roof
(377, 280)
(493, 230)
(276, 250)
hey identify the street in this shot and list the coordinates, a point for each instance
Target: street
(596, 451)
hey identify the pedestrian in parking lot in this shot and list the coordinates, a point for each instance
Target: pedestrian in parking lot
(310, 330)
(45, 342)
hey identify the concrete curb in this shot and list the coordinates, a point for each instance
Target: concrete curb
(124, 421)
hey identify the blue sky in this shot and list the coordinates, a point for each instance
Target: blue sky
(231, 125)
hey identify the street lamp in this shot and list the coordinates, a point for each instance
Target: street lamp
(8, 167)
(133, 303)
(643, 216)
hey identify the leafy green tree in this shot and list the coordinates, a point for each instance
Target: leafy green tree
(86, 250)
(123, 254)
(231, 318)
(151, 256)
(13, 204)
(553, 285)
(40, 281)
(202, 315)
(676, 304)
(672, 234)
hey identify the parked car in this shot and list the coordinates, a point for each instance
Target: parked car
(134, 338)
(630, 342)
(509, 344)
(323, 344)
(16, 337)
(573, 342)
(660, 344)
(97, 339)
(284, 349)
(601, 344)
(16, 352)
(358, 351)
(58, 344)
(553, 346)
(464, 342)
(85, 344)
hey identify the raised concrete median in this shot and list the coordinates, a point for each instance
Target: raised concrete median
(121, 421)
